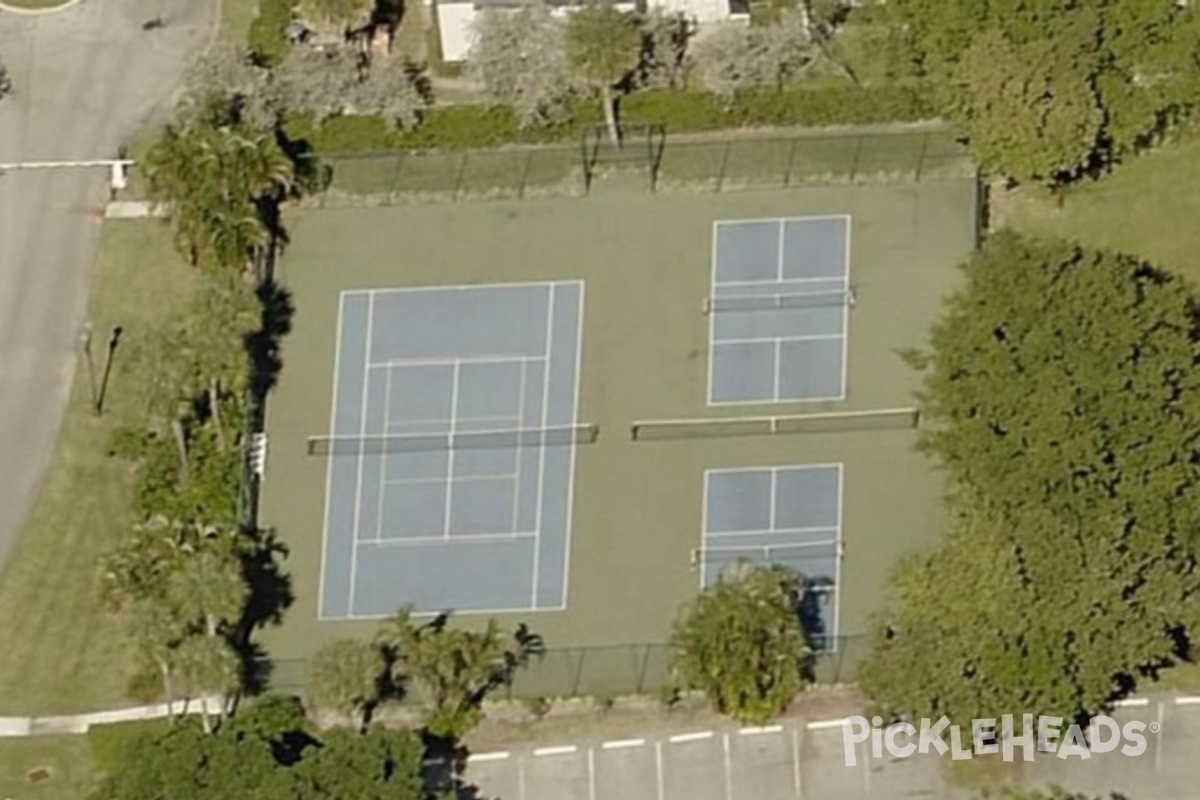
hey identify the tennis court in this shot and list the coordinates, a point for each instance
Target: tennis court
(789, 516)
(779, 310)
(451, 449)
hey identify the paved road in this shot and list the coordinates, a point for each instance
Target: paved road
(796, 761)
(84, 79)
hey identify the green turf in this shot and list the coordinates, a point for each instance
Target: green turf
(46, 768)
(60, 652)
(637, 506)
(1147, 207)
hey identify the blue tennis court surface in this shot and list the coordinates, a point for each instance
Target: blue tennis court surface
(451, 449)
(790, 516)
(779, 310)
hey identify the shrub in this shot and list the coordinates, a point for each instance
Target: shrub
(268, 32)
(115, 744)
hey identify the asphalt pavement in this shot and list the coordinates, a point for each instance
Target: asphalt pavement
(85, 78)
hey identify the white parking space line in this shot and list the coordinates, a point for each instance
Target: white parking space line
(497, 756)
(1132, 702)
(679, 738)
(658, 763)
(617, 744)
(728, 770)
(591, 761)
(1187, 701)
(825, 723)
(757, 731)
(796, 771)
(556, 751)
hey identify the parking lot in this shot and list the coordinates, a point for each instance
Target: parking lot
(806, 760)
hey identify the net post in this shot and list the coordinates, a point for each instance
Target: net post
(920, 168)
(525, 174)
(394, 192)
(787, 174)
(724, 165)
(462, 174)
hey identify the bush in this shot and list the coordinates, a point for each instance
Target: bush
(463, 127)
(268, 32)
(115, 744)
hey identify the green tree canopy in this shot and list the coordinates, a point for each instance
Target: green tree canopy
(346, 674)
(1061, 396)
(1137, 59)
(604, 45)
(268, 751)
(741, 642)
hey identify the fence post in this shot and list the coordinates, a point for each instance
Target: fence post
(857, 154)
(462, 172)
(921, 157)
(395, 190)
(724, 165)
(525, 174)
(787, 173)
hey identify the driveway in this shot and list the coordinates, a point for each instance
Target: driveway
(84, 79)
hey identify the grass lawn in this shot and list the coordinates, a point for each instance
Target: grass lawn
(46, 768)
(1147, 207)
(60, 652)
(236, 16)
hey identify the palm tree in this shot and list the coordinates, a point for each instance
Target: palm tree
(157, 632)
(207, 665)
(604, 45)
(210, 589)
(455, 669)
(346, 677)
(336, 17)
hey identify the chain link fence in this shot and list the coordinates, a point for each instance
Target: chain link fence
(686, 163)
(596, 671)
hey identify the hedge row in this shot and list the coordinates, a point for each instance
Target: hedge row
(471, 126)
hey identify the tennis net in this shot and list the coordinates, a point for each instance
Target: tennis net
(479, 440)
(778, 302)
(829, 422)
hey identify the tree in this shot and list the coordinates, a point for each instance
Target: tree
(210, 590)
(1068, 572)
(665, 39)
(217, 174)
(736, 57)
(452, 669)
(394, 89)
(157, 632)
(336, 17)
(378, 764)
(208, 666)
(346, 674)
(603, 45)
(1028, 110)
(741, 643)
(1137, 58)
(227, 71)
(519, 58)
(314, 82)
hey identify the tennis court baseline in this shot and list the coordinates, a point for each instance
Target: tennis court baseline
(451, 449)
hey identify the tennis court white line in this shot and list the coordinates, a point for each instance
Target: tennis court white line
(541, 479)
(366, 383)
(452, 288)
(442, 541)
(620, 744)
(515, 517)
(450, 361)
(761, 220)
(383, 461)
(781, 281)
(581, 308)
(460, 478)
(395, 423)
(846, 313)
(777, 340)
(837, 564)
(770, 532)
(333, 404)
(450, 457)
(561, 750)
(697, 736)
(431, 613)
(712, 324)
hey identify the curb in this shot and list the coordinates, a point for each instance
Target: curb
(39, 12)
